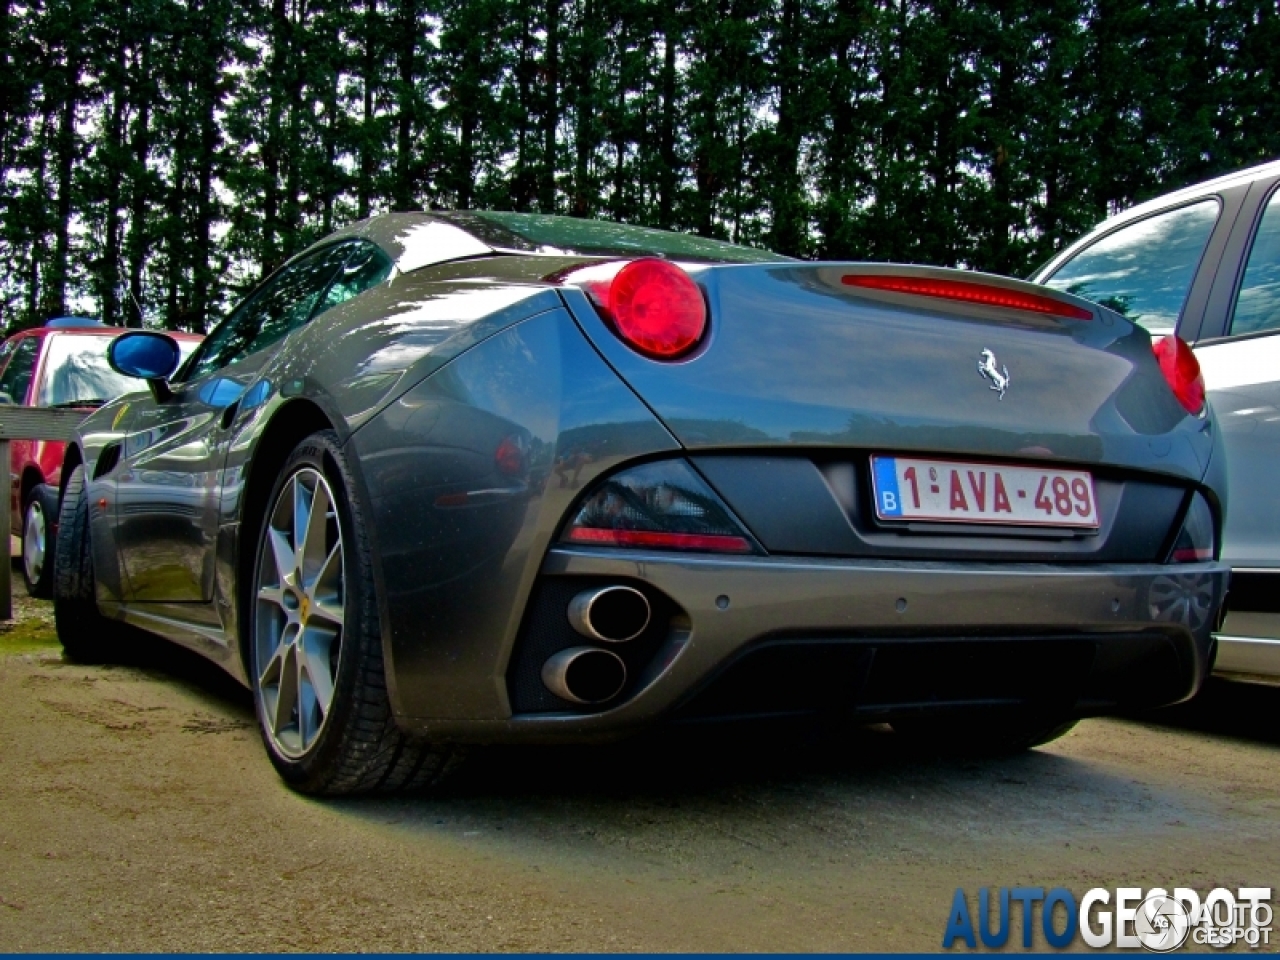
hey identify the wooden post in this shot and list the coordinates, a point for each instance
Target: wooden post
(25, 423)
(6, 568)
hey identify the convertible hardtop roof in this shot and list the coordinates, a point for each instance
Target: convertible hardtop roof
(542, 233)
(414, 240)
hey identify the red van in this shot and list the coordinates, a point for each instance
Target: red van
(62, 364)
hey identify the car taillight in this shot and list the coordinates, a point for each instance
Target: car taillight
(509, 458)
(1196, 542)
(652, 305)
(1182, 370)
(968, 292)
(661, 505)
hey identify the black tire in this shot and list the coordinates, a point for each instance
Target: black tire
(983, 735)
(359, 747)
(86, 635)
(39, 522)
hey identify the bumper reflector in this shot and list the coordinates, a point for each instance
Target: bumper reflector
(1196, 542)
(652, 538)
(664, 506)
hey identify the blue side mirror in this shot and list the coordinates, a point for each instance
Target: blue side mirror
(144, 354)
(151, 356)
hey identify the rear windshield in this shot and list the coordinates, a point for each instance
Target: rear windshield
(76, 372)
(541, 233)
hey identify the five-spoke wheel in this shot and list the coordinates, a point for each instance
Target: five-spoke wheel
(299, 612)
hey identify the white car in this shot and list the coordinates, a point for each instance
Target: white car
(1204, 263)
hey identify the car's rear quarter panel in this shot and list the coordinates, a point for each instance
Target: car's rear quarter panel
(456, 572)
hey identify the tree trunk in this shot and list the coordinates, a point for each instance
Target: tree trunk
(207, 158)
(788, 227)
(551, 113)
(175, 233)
(109, 271)
(272, 147)
(522, 187)
(36, 252)
(364, 188)
(584, 119)
(667, 144)
(406, 55)
(8, 88)
(139, 188)
(54, 302)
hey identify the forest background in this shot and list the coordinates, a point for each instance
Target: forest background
(158, 157)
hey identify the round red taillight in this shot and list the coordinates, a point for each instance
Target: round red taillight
(1182, 370)
(509, 457)
(656, 308)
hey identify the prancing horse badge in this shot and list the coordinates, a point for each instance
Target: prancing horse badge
(999, 376)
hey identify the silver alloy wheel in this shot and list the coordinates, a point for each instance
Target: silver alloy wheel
(35, 535)
(298, 617)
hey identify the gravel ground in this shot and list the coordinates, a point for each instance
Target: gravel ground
(139, 813)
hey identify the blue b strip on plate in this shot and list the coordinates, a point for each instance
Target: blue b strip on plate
(888, 503)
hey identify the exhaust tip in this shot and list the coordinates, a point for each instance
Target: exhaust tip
(585, 675)
(612, 614)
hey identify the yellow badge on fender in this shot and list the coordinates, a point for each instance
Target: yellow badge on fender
(124, 408)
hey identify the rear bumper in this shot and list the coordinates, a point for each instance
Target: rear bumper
(1130, 636)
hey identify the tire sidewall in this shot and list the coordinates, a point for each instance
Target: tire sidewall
(320, 452)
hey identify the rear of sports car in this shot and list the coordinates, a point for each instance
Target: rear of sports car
(951, 502)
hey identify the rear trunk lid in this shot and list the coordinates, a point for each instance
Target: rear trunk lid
(803, 355)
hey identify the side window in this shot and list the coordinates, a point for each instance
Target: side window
(1258, 304)
(1144, 270)
(17, 375)
(366, 268)
(285, 303)
(6, 348)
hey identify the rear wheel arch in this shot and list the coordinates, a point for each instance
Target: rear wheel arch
(71, 459)
(30, 478)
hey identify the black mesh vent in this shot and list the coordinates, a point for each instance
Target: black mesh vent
(547, 631)
(883, 679)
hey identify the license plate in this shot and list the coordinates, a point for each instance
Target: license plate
(950, 491)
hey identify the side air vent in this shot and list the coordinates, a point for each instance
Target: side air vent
(107, 460)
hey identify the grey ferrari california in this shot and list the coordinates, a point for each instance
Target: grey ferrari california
(459, 478)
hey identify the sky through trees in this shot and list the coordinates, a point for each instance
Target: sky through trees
(158, 157)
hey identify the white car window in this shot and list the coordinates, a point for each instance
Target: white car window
(1144, 270)
(1258, 304)
(76, 371)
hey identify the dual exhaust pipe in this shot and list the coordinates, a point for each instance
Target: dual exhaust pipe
(592, 675)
